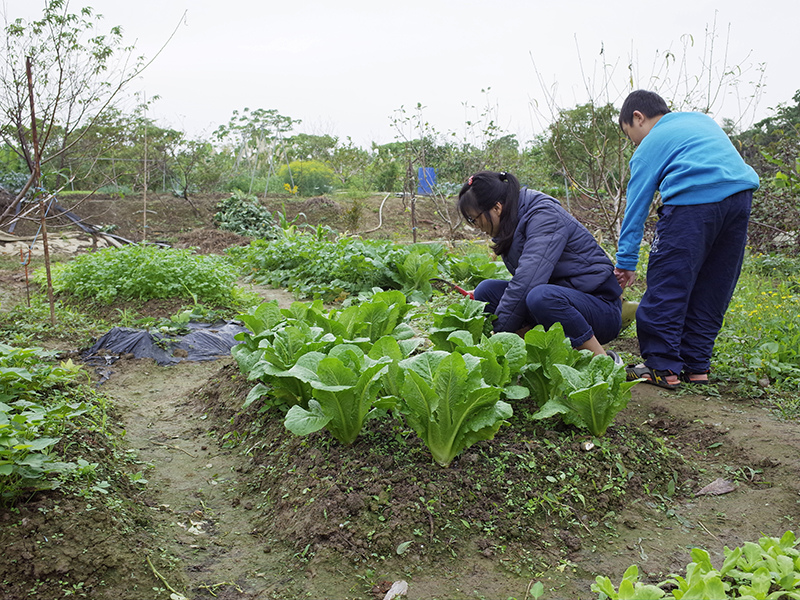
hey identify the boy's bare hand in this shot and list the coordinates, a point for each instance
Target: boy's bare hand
(625, 277)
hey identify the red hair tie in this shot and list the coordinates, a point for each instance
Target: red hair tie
(469, 181)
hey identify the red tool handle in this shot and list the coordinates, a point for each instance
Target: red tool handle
(464, 292)
(454, 287)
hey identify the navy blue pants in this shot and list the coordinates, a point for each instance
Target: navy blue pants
(580, 314)
(694, 265)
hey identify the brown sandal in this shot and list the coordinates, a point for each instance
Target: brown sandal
(695, 378)
(663, 379)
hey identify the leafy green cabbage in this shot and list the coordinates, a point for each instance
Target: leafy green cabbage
(449, 405)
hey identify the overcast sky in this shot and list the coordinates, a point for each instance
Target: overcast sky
(345, 67)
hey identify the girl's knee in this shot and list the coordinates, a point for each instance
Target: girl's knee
(490, 291)
(541, 300)
(483, 290)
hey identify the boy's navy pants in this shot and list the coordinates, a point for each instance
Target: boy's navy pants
(694, 265)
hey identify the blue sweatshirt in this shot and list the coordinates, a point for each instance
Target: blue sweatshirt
(689, 159)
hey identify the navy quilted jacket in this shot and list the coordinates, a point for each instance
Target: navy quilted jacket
(551, 246)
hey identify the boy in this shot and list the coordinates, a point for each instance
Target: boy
(706, 190)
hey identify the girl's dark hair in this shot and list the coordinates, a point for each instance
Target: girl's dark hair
(479, 195)
(648, 103)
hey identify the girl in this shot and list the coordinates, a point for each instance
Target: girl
(560, 273)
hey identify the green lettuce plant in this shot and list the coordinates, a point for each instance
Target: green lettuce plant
(344, 389)
(414, 274)
(768, 570)
(449, 405)
(465, 315)
(283, 361)
(395, 350)
(369, 321)
(630, 588)
(474, 267)
(261, 318)
(594, 394)
(286, 343)
(502, 357)
(546, 349)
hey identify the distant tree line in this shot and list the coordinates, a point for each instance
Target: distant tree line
(62, 128)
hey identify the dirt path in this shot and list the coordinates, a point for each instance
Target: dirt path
(727, 438)
(208, 521)
(203, 515)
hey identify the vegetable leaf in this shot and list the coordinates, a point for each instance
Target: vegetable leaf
(545, 349)
(344, 389)
(595, 394)
(448, 404)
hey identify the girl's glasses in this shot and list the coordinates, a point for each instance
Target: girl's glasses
(471, 220)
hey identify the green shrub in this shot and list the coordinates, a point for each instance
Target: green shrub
(253, 185)
(386, 177)
(116, 190)
(13, 181)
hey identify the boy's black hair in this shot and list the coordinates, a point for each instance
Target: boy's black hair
(480, 194)
(648, 103)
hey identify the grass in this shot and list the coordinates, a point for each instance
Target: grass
(24, 325)
(757, 352)
(758, 348)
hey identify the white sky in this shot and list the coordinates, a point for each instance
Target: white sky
(344, 67)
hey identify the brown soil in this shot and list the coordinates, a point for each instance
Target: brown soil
(176, 221)
(236, 507)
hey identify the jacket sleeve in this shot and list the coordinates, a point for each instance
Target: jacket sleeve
(545, 237)
(639, 196)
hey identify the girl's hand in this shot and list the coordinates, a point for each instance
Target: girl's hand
(624, 277)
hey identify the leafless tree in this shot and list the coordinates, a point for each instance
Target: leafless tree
(585, 140)
(77, 72)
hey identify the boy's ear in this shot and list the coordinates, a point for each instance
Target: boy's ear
(638, 117)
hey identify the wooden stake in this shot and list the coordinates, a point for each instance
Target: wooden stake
(37, 173)
(26, 261)
(144, 191)
(50, 299)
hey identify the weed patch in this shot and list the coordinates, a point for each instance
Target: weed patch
(759, 345)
